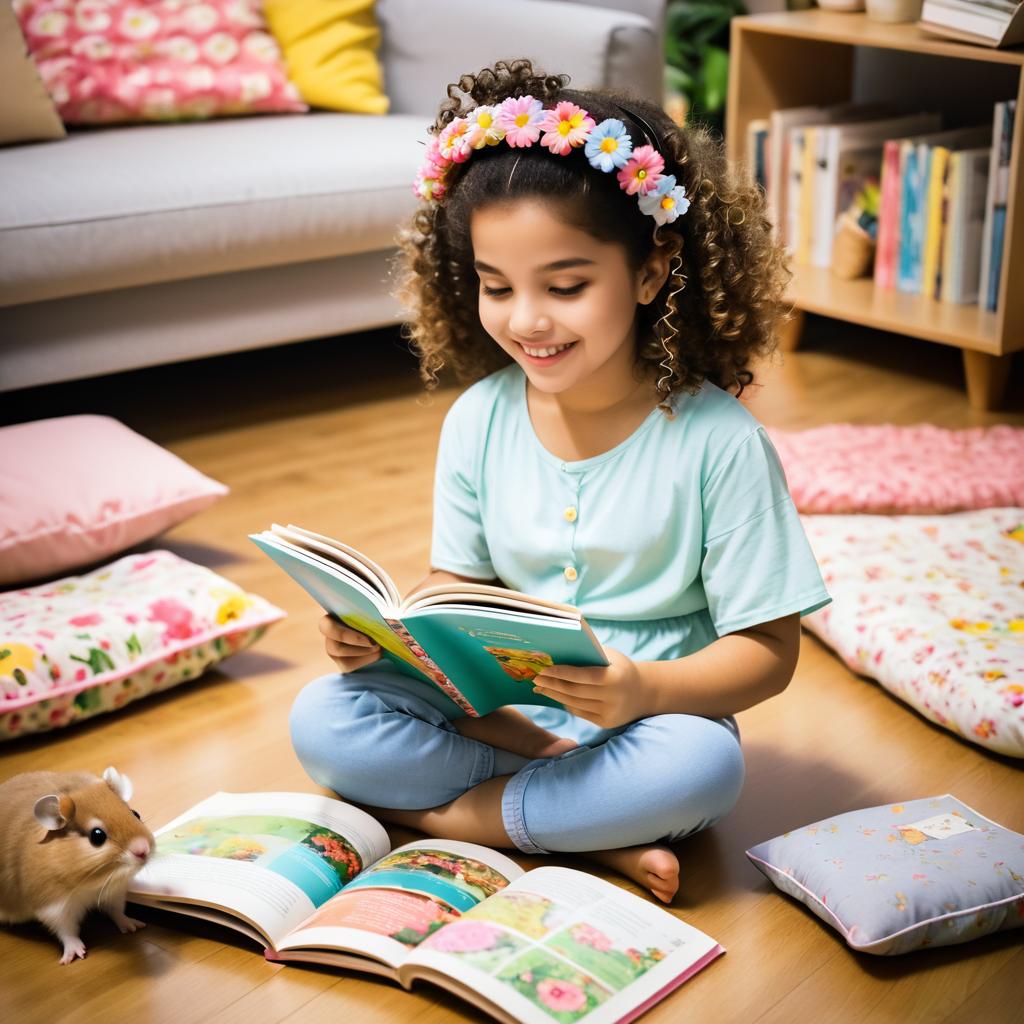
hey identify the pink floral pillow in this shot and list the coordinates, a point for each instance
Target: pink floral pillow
(885, 469)
(87, 644)
(106, 61)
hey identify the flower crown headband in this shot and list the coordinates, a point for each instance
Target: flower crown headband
(522, 120)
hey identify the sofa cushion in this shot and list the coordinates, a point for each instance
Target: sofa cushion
(134, 205)
(122, 61)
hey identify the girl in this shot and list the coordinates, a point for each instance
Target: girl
(577, 257)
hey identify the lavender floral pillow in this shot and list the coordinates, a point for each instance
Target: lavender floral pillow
(930, 872)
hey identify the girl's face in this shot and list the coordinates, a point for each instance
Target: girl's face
(562, 303)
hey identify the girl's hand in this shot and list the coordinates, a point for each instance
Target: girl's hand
(347, 647)
(607, 695)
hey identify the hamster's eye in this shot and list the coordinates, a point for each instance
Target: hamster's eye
(97, 836)
(136, 813)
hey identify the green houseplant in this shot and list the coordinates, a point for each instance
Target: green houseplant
(697, 57)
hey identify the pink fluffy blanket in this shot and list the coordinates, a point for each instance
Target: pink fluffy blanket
(890, 470)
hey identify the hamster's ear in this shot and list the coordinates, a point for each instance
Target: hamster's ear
(119, 783)
(48, 813)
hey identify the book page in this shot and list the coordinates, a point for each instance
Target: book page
(405, 897)
(333, 549)
(474, 594)
(268, 858)
(563, 944)
(345, 596)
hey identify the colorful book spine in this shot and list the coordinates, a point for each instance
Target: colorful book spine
(911, 219)
(932, 240)
(807, 176)
(888, 216)
(998, 195)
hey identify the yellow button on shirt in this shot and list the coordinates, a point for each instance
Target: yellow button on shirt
(570, 514)
(570, 574)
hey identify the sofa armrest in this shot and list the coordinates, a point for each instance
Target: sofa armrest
(597, 47)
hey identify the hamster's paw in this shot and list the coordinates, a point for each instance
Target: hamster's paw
(72, 948)
(128, 924)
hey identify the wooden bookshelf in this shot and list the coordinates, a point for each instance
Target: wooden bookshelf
(795, 58)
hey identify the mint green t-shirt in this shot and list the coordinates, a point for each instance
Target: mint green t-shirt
(680, 534)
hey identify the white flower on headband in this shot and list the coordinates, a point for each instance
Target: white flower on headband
(484, 129)
(521, 120)
(666, 201)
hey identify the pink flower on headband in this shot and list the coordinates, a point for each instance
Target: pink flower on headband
(428, 188)
(454, 141)
(519, 117)
(434, 161)
(564, 127)
(643, 172)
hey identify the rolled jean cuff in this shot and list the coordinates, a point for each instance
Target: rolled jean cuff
(512, 807)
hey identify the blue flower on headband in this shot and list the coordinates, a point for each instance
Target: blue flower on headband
(665, 201)
(609, 145)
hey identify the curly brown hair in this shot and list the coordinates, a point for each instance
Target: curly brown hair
(721, 304)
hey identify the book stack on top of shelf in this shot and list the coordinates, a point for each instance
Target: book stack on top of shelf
(942, 194)
(987, 22)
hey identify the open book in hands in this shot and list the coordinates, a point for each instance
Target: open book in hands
(481, 645)
(314, 879)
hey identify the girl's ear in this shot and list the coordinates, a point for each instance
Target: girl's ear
(653, 274)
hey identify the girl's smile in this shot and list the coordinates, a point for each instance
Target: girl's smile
(560, 302)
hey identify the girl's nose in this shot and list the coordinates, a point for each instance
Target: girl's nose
(528, 319)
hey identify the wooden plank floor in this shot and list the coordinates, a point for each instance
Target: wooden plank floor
(337, 435)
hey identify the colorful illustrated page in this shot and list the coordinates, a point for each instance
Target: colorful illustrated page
(564, 942)
(405, 897)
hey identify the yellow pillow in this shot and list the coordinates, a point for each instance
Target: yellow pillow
(330, 47)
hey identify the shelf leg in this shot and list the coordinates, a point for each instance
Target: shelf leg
(986, 379)
(792, 331)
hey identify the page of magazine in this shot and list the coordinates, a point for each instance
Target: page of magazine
(405, 897)
(564, 944)
(271, 858)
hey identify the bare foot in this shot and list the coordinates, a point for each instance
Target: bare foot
(511, 730)
(654, 867)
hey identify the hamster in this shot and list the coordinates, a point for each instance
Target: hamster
(69, 842)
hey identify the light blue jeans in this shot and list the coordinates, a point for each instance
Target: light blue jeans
(377, 737)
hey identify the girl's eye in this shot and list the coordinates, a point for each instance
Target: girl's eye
(572, 290)
(494, 291)
(136, 813)
(97, 836)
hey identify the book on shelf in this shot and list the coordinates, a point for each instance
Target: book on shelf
(890, 191)
(848, 154)
(995, 23)
(757, 152)
(313, 879)
(480, 645)
(968, 183)
(993, 236)
(916, 154)
(780, 122)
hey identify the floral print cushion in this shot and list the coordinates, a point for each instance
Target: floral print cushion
(106, 61)
(885, 469)
(87, 644)
(930, 872)
(933, 608)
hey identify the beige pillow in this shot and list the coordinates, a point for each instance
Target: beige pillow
(27, 113)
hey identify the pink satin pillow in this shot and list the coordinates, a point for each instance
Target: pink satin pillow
(106, 61)
(77, 489)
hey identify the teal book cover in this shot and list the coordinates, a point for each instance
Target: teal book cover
(492, 656)
(482, 656)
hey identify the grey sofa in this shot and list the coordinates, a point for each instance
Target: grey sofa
(132, 246)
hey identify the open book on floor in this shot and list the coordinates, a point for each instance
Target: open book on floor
(481, 645)
(314, 879)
